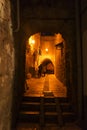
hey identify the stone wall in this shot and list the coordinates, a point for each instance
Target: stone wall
(68, 61)
(6, 65)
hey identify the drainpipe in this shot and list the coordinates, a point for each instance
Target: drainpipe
(18, 17)
(79, 59)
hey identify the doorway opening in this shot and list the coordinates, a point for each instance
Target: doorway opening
(44, 56)
(48, 67)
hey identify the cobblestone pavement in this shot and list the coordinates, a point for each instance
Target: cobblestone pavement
(48, 83)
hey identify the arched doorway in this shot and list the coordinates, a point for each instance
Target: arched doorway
(45, 49)
(44, 55)
(48, 66)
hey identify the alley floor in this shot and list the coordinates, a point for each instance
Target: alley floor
(48, 84)
(42, 86)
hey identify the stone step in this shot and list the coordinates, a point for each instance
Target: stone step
(66, 107)
(30, 106)
(46, 110)
(50, 107)
(31, 99)
(49, 99)
(63, 99)
(69, 117)
(29, 116)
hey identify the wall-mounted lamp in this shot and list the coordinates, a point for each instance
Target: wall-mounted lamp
(31, 41)
(59, 46)
(46, 49)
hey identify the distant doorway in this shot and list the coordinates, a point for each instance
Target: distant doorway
(48, 67)
(40, 65)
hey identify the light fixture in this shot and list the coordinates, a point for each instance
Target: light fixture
(46, 49)
(31, 41)
(59, 46)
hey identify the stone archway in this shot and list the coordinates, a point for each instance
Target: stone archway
(48, 66)
(41, 46)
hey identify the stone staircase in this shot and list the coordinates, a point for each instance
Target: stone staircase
(46, 110)
(30, 109)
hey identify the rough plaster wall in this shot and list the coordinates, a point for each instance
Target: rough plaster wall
(6, 65)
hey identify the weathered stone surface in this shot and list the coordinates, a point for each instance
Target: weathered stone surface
(6, 65)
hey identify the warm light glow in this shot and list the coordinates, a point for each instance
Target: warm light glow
(46, 49)
(31, 40)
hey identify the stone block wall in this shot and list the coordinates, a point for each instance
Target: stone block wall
(6, 65)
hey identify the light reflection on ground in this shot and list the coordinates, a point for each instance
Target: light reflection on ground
(49, 83)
